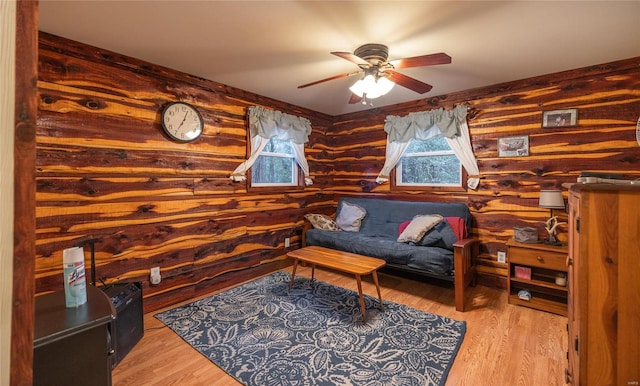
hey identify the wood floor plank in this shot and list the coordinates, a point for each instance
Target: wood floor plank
(504, 344)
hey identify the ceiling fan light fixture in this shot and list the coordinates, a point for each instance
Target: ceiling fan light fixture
(385, 85)
(358, 88)
(371, 87)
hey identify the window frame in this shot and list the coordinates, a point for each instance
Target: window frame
(395, 174)
(276, 187)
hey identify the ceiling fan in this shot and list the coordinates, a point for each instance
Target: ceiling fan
(380, 73)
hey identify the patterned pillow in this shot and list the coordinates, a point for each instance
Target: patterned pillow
(350, 217)
(418, 226)
(320, 221)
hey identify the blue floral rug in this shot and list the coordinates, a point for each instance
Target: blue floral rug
(263, 335)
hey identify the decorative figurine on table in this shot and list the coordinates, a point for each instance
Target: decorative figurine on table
(550, 226)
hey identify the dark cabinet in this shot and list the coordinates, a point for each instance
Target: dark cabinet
(73, 345)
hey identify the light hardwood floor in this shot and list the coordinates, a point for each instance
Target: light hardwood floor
(504, 344)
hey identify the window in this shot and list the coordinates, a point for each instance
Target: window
(430, 163)
(275, 147)
(276, 165)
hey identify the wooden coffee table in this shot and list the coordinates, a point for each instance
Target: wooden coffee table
(340, 261)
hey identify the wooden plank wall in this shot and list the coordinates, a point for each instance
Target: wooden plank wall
(607, 97)
(105, 170)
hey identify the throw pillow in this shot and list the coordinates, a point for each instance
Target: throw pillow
(350, 217)
(320, 221)
(441, 235)
(403, 226)
(432, 238)
(418, 227)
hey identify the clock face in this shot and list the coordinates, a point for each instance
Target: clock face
(182, 122)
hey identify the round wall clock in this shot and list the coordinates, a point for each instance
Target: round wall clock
(182, 121)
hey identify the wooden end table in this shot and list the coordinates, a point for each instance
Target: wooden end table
(340, 261)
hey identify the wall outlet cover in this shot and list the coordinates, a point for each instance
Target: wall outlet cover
(502, 257)
(155, 276)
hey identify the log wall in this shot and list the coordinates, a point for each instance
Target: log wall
(105, 170)
(607, 97)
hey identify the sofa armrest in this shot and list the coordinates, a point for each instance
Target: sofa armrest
(306, 225)
(466, 243)
(465, 253)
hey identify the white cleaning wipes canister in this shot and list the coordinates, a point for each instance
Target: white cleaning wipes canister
(75, 286)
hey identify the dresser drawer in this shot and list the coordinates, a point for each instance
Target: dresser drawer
(538, 258)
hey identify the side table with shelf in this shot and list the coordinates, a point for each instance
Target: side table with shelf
(73, 345)
(544, 263)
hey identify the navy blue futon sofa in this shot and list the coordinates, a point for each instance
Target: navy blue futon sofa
(446, 255)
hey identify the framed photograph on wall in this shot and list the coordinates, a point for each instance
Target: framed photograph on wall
(513, 146)
(560, 118)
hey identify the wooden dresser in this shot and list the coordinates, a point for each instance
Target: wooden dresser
(604, 285)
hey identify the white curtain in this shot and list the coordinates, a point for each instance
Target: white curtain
(424, 125)
(265, 124)
(258, 143)
(395, 151)
(298, 151)
(461, 145)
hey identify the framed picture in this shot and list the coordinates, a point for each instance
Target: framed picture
(560, 118)
(513, 146)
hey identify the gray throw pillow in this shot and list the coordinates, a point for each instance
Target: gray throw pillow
(350, 217)
(441, 235)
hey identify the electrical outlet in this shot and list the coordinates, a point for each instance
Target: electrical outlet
(155, 275)
(502, 257)
(287, 242)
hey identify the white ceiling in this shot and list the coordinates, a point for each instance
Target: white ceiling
(271, 47)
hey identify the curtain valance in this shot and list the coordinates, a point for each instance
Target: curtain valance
(424, 125)
(271, 123)
(265, 124)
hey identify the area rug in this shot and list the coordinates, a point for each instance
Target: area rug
(263, 335)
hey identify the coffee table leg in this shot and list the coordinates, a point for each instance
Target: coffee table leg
(359, 281)
(313, 271)
(293, 273)
(375, 280)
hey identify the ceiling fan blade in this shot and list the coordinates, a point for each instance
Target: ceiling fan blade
(352, 58)
(419, 61)
(330, 78)
(354, 99)
(408, 82)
